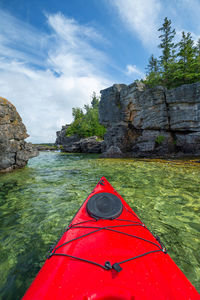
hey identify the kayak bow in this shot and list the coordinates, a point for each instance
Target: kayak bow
(107, 252)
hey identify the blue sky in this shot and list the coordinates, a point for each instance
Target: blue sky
(54, 54)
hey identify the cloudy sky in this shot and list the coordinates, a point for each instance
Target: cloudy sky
(54, 54)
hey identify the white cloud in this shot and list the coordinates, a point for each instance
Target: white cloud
(143, 18)
(185, 17)
(140, 17)
(44, 76)
(132, 69)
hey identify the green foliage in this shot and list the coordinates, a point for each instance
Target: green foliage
(178, 64)
(87, 124)
(153, 79)
(159, 139)
(167, 45)
(77, 113)
(186, 63)
(95, 101)
(153, 74)
(197, 57)
(153, 65)
(167, 59)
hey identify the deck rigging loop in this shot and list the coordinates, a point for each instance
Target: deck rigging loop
(113, 228)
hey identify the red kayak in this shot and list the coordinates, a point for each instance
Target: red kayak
(107, 252)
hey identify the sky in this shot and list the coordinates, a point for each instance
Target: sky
(55, 54)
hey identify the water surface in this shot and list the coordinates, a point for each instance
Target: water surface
(37, 202)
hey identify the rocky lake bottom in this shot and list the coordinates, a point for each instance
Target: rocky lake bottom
(38, 201)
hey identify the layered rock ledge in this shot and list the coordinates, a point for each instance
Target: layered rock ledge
(146, 122)
(75, 144)
(14, 151)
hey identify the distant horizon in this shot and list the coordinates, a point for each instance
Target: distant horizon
(54, 55)
(42, 143)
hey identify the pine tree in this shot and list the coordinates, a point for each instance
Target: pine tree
(174, 69)
(153, 74)
(198, 48)
(77, 113)
(186, 50)
(95, 100)
(153, 65)
(186, 64)
(167, 59)
(197, 60)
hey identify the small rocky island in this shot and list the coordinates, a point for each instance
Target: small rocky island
(14, 151)
(76, 144)
(144, 122)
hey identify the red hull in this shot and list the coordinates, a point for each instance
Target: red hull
(150, 276)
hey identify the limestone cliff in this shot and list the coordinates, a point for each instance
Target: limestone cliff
(14, 151)
(145, 122)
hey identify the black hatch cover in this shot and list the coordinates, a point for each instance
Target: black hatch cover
(104, 206)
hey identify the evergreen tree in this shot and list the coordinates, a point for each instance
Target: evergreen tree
(77, 113)
(153, 65)
(197, 48)
(153, 74)
(167, 59)
(197, 60)
(174, 69)
(95, 100)
(186, 64)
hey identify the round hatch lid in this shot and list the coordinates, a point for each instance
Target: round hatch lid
(104, 206)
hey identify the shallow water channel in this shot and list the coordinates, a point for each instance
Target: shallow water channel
(37, 202)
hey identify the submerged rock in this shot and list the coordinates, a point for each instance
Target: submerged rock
(14, 151)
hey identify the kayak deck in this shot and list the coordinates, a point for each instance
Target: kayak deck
(107, 252)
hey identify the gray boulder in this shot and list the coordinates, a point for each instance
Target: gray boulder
(14, 151)
(61, 137)
(91, 145)
(71, 144)
(113, 151)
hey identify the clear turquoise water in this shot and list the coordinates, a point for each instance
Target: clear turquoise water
(37, 202)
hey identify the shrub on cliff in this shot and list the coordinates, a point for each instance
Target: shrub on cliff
(86, 124)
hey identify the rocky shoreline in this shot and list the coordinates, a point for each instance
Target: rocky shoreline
(144, 122)
(140, 122)
(46, 147)
(75, 144)
(14, 151)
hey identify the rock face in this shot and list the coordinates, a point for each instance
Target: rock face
(76, 144)
(91, 145)
(144, 122)
(14, 151)
(61, 136)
